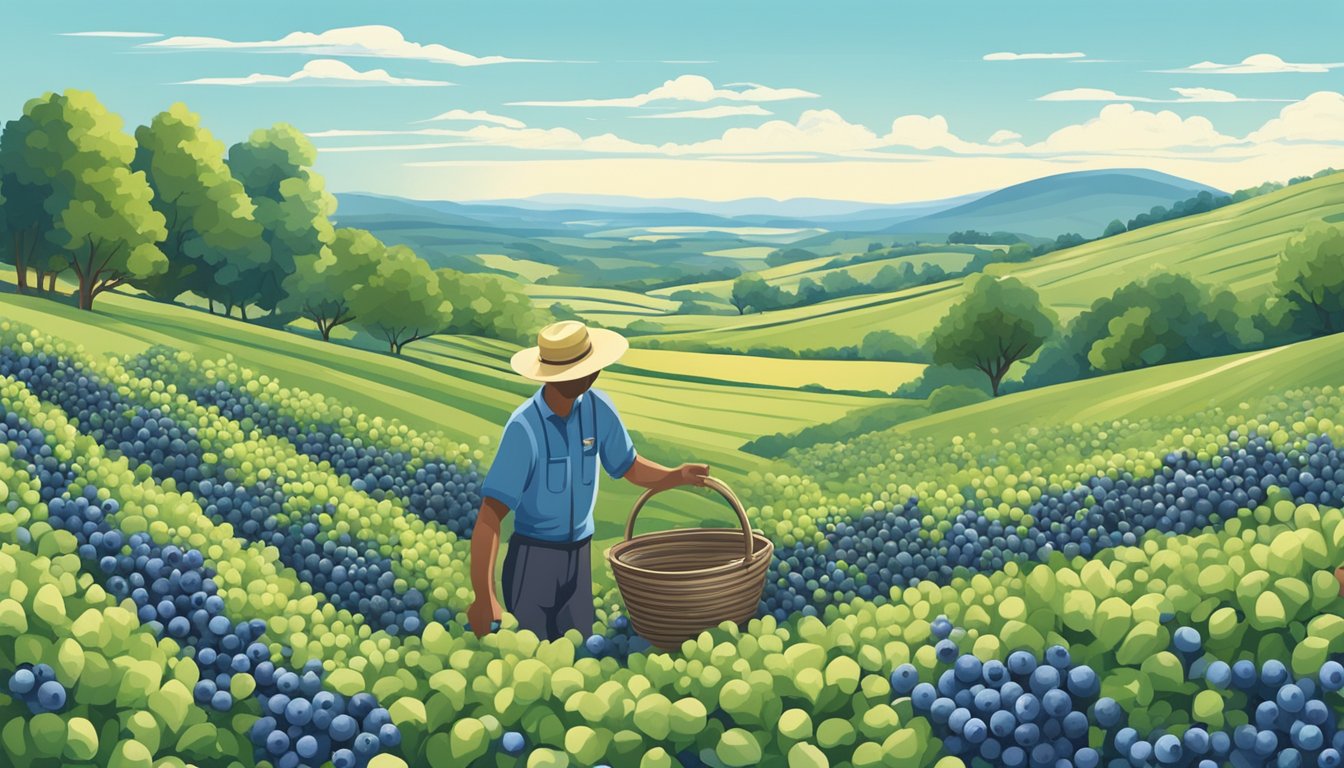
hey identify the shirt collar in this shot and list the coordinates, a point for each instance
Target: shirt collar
(545, 407)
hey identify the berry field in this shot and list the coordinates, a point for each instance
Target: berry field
(200, 564)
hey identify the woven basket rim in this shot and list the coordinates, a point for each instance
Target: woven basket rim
(614, 552)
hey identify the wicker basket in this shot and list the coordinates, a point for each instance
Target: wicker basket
(679, 583)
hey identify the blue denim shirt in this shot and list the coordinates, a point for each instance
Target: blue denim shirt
(546, 467)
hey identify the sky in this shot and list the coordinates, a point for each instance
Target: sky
(890, 101)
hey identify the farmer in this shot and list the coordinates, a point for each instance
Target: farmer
(546, 472)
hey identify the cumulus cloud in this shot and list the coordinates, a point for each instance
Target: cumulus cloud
(711, 113)
(692, 88)
(110, 33)
(475, 116)
(1184, 96)
(1319, 117)
(328, 72)
(1123, 127)
(372, 40)
(1010, 56)
(1003, 136)
(1257, 64)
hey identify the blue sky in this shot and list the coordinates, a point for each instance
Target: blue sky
(880, 101)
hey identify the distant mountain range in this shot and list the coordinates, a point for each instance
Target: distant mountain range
(1083, 202)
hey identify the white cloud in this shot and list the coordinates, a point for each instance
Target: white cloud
(1257, 64)
(711, 113)
(475, 116)
(110, 34)
(1122, 127)
(1003, 136)
(1184, 96)
(1319, 117)
(374, 40)
(692, 88)
(1010, 56)
(320, 72)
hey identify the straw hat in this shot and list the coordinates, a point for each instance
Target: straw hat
(569, 350)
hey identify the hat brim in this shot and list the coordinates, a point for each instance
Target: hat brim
(608, 346)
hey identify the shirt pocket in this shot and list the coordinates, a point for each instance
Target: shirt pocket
(589, 463)
(557, 474)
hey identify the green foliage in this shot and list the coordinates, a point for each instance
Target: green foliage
(946, 398)
(889, 345)
(1162, 318)
(853, 424)
(488, 305)
(752, 292)
(322, 284)
(213, 242)
(1116, 227)
(935, 376)
(788, 256)
(1000, 321)
(292, 205)
(402, 301)
(69, 156)
(1309, 281)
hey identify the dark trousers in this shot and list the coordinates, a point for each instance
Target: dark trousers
(549, 586)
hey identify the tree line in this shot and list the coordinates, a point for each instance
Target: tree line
(1164, 317)
(171, 212)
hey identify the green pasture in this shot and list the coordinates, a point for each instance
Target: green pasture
(1236, 246)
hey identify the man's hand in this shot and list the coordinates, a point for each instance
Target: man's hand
(693, 474)
(483, 613)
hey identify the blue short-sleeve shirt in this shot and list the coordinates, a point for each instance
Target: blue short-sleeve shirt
(546, 467)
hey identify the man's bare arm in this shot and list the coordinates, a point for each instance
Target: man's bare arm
(647, 474)
(485, 609)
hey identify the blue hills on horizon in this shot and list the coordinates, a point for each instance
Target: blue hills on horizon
(1081, 201)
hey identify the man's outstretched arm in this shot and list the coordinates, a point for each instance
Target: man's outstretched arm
(485, 609)
(647, 474)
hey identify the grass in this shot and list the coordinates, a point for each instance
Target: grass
(1236, 246)
(860, 375)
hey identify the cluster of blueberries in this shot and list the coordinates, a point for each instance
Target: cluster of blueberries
(350, 572)
(303, 725)
(175, 595)
(1037, 713)
(445, 493)
(1022, 712)
(36, 685)
(1291, 726)
(866, 557)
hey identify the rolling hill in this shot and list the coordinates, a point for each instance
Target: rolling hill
(1236, 246)
(1083, 202)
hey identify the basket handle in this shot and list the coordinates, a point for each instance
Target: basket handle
(724, 491)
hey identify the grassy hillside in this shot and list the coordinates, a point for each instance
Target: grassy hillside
(1236, 246)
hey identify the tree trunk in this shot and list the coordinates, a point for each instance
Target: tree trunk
(393, 347)
(41, 279)
(20, 263)
(211, 304)
(324, 329)
(242, 311)
(52, 281)
(85, 295)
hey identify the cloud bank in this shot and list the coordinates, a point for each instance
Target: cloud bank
(690, 88)
(329, 72)
(372, 40)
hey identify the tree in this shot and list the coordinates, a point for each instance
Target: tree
(293, 206)
(402, 301)
(27, 182)
(214, 242)
(751, 291)
(1114, 228)
(487, 305)
(1000, 321)
(1310, 279)
(322, 284)
(69, 168)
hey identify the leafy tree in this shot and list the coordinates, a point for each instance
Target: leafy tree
(214, 243)
(293, 206)
(27, 182)
(322, 284)
(888, 345)
(788, 256)
(402, 301)
(1000, 321)
(839, 283)
(1310, 280)
(1116, 227)
(487, 305)
(1160, 318)
(808, 292)
(67, 166)
(751, 291)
